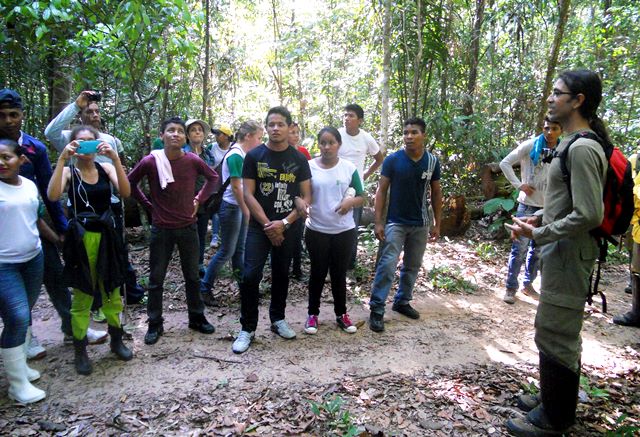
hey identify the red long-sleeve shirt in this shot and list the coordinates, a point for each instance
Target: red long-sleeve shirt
(172, 208)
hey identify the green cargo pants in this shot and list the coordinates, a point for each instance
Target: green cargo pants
(565, 270)
(81, 302)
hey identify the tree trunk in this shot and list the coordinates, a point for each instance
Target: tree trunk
(59, 87)
(417, 61)
(277, 71)
(165, 85)
(207, 67)
(386, 73)
(444, 74)
(455, 217)
(467, 107)
(553, 61)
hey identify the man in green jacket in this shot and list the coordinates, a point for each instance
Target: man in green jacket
(568, 253)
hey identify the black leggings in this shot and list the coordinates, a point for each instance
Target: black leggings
(329, 253)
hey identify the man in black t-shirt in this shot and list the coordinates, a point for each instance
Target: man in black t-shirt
(276, 179)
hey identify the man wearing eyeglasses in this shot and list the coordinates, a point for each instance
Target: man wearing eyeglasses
(531, 155)
(568, 251)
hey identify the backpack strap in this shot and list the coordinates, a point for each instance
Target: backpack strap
(566, 174)
(602, 242)
(226, 183)
(593, 284)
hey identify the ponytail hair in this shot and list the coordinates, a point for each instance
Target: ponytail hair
(247, 128)
(588, 83)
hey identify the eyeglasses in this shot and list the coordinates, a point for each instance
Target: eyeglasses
(558, 93)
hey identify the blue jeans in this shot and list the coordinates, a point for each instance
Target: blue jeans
(202, 223)
(19, 289)
(517, 256)
(215, 226)
(411, 239)
(160, 253)
(232, 237)
(257, 249)
(59, 295)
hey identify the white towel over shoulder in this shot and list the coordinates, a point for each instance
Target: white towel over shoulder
(165, 175)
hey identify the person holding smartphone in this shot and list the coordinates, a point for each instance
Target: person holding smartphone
(87, 105)
(93, 248)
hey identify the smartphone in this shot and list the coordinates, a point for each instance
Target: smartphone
(88, 147)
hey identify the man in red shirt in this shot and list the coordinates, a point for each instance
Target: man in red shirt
(171, 173)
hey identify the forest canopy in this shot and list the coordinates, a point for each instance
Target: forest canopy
(478, 71)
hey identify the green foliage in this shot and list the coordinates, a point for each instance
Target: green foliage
(621, 430)
(593, 392)
(503, 208)
(486, 251)
(530, 388)
(492, 206)
(450, 280)
(339, 421)
(148, 58)
(617, 255)
(368, 240)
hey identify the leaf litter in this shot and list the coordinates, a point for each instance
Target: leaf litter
(186, 385)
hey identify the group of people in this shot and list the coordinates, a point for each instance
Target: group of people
(273, 196)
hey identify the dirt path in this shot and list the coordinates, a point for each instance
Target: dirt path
(189, 382)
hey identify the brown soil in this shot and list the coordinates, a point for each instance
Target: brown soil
(453, 372)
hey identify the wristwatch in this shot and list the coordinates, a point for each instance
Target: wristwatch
(286, 224)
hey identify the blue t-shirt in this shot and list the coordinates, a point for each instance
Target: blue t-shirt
(410, 189)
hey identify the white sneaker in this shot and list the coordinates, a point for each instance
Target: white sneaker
(96, 337)
(282, 328)
(243, 342)
(34, 350)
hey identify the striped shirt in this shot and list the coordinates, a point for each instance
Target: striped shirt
(410, 187)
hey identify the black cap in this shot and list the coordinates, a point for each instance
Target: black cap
(10, 99)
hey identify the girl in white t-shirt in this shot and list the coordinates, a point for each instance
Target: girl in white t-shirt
(331, 230)
(21, 267)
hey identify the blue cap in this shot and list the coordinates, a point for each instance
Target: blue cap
(10, 99)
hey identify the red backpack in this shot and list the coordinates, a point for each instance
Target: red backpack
(617, 197)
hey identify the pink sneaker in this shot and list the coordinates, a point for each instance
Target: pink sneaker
(311, 327)
(344, 322)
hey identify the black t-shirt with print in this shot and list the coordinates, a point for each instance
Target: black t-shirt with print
(278, 176)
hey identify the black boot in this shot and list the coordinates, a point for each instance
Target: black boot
(631, 318)
(528, 402)
(81, 360)
(117, 346)
(154, 331)
(198, 322)
(558, 395)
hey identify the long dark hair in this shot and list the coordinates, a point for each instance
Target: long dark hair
(588, 83)
(331, 130)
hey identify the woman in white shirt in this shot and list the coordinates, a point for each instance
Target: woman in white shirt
(336, 190)
(21, 269)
